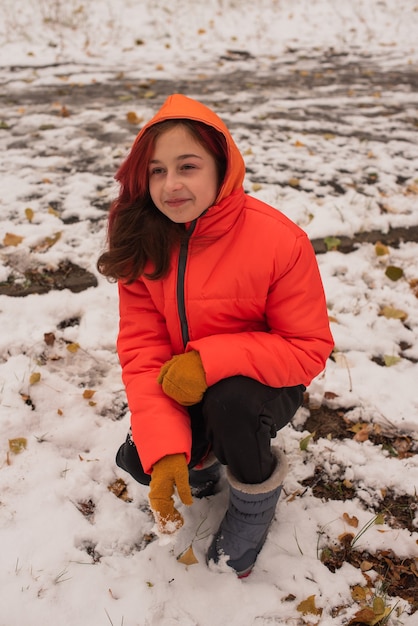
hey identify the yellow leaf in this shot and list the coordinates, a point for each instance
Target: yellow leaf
(35, 377)
(256, 187)
(133, 118)
(391, 360)
(363, 433)
(303, 444)
(299, 144)
(358, 593)
(308, 606)
(356, 428)
(378, 605)
(294, 182)
(73, 347)
(29, 214)
(88, 393)
(381, 249)
(12, 240)
(16, 446)
(187, 557)
(52, 211)
(47, 243)
(391, 312)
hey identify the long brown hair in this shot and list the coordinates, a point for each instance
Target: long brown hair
(137, 231)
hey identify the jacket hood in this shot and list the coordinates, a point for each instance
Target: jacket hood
(178, 106)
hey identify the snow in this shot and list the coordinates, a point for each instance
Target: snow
(65, 566)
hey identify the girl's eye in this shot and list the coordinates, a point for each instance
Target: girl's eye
(188, 166)
(156, 170)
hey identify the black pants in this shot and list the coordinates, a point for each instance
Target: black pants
(237, 419)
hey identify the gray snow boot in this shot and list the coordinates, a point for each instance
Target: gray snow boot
(244, 528)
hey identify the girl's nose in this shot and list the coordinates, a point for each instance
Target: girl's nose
(172, 181)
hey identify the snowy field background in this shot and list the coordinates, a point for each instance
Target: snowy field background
(315, 97)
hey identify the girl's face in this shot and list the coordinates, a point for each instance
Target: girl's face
(183, 180)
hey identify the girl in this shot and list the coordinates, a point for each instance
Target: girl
(223, 324)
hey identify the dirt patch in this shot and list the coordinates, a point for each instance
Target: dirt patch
(67, 275)
(397, 577)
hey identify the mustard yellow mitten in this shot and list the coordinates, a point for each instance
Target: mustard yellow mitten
(169, 472)
(183, 378)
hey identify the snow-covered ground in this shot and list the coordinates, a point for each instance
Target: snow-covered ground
(71, 552)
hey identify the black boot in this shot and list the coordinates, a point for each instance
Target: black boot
(244, 528)
(204, 481)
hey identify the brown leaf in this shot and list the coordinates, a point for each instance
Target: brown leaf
(330, 395)
(364, 616)
(363, 433)
(88, 394)
(132, 118)
(120, 490)
(351, 521)
(188, 557)
(10, 239)
(308, 606)
(49, 339)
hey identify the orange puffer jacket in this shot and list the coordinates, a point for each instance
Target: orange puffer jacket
(245, 292)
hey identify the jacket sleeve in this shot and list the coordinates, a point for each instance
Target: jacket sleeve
(298, 342)
(160, 426)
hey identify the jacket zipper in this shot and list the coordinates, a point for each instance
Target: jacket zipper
(181, 271)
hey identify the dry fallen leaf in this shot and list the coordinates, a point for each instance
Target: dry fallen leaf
(34, 378)
(380, 249)
(187, 557)
(73, 347)
(120, 490)
(351, 521)
(132, 118)
(308, 606)
(88, 393)
(359, 594)
(391, 312)
(29, 214)
(10, 239)
(47, 243)
(17, 445)
(49, 339)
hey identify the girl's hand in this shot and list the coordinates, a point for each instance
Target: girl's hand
(183, 378)
(169, 472)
